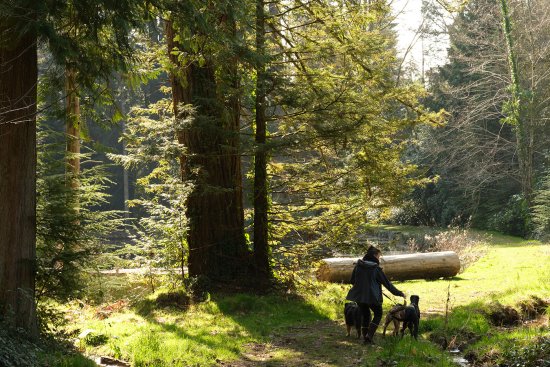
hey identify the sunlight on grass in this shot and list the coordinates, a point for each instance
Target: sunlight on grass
(167, 339)
(206, 332)
(226, 327)
(407, 352)
(503, 274)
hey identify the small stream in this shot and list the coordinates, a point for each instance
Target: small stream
(458, 358)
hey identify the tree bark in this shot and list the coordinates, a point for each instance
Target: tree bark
(18, 80)
(523, 130)
(431, 265)
(217, 246)
(261, 204)
(72, 115)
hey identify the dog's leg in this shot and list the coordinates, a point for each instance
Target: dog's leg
(403, 328)
(415, 329)
(411, 326)
(386, 323)
(395, 327)
(348, 328)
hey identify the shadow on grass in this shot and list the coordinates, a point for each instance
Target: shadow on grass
(243, 330)
(280, 331)
(17, 349)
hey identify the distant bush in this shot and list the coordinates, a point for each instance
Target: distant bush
(514, 219)
(541, 209)
(461, 241)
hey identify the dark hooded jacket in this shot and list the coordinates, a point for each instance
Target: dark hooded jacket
(367, 279)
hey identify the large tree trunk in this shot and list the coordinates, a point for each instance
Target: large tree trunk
(217, 246)
(430, 265)
(261, 204)
(18, 79)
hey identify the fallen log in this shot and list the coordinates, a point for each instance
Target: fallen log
(430, 265)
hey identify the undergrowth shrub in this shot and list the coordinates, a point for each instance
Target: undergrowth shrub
(179, 299)
(514, 219)
(197, 287)
(95, 339)
(466, 244)
(16, 350)
(541, 208)
(536, 354)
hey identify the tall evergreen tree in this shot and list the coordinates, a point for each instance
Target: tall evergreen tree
(18, 94)
(260, 195)
(103, 48)
(201, 45)
(341, 120)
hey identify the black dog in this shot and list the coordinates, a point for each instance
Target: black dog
(352, 314)
(409, 315)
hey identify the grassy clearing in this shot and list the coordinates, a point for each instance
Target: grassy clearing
(205, 333)
(506, 273)
(307, 330)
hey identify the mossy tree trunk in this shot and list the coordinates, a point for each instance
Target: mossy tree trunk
(211, 163)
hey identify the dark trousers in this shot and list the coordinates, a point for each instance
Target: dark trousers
(365, 311)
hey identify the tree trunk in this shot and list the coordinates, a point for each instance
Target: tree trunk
(430, 265)
(523, 133)
(18, 79)
(72, 115)
(217, 246)
(261, 204)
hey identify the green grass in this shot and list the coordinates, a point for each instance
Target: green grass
(406, 229)
(214, 330)
(225, 328)
(64, 360)
(506, 273)
(407, 352)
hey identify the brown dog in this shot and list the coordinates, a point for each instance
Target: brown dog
(409, 315)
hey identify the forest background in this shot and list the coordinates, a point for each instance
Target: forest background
(241, 141)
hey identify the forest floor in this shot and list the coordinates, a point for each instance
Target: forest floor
(323, 343)
(307, 329)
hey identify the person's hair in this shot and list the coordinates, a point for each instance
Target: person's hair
(373, 251)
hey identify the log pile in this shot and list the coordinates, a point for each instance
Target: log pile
(430, 265)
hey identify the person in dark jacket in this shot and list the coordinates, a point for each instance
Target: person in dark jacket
(367, 280)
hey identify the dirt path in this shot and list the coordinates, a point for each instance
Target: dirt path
(322, 344)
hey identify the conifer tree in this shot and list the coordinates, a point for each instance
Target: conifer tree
(260, 195)
(100, 51)
(201, 45)
(341, 123)
(18, 77)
